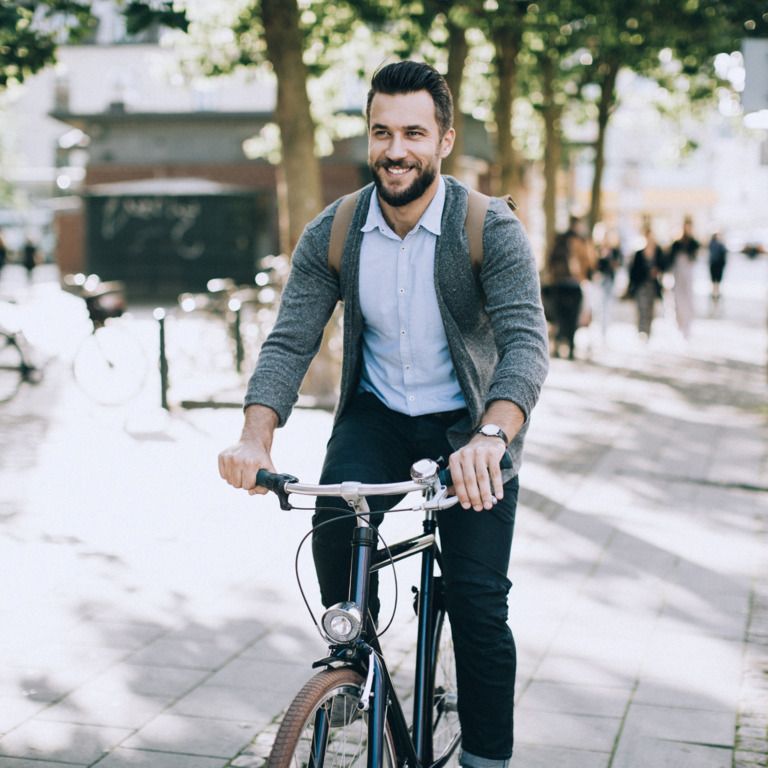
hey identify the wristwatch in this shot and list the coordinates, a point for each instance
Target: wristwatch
(491, 430)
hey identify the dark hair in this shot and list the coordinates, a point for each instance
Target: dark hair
(410, 77)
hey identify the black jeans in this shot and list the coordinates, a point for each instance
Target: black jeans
(370, 443)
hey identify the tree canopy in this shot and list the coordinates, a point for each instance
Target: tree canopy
(504, 60)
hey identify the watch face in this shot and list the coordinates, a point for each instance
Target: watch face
(491, 430)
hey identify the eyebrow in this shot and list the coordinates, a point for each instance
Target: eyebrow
(415, 127)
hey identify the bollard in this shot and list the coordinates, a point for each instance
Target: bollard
(235, 307)
(159, 315)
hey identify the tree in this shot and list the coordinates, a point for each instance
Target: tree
(299, 188)
(31, 32)
(633, 34)
(552, 61)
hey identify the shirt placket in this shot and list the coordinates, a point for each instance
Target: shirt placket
(404, 284)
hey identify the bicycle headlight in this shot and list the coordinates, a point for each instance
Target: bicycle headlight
(342, 622)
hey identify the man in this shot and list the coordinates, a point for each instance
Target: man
(436, 363)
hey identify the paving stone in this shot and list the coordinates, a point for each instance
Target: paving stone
(193, 736)
(65, 742)
(130, 758)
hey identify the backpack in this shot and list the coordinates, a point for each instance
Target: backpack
(477, 207)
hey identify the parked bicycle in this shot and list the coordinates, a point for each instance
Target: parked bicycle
(350, 713)
(223, 327)
(16, 366)
(110, 365)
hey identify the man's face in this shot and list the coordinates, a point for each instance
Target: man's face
(405, 148)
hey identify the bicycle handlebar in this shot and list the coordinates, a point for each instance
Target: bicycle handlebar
(283, 484)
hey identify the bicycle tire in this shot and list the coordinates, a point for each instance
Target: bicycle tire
(334, 692)
(12, 367)
(110, 366)
(446, 729)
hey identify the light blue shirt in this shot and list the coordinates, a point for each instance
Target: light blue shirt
(406, 360)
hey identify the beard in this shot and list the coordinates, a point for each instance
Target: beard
(424, 178)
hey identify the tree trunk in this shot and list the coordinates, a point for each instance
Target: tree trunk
(607, 99)
(299, 191)
(509, 180)
(458, 49)
(553, 152)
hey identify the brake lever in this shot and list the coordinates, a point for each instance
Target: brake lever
(441, 500)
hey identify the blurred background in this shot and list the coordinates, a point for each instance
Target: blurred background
(167, 143)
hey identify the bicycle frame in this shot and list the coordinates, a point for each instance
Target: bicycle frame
(414, 747)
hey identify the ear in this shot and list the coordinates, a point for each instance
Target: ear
(446, 143)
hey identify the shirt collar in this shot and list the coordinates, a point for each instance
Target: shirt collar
(431, 219)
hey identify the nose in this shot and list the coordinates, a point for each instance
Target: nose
(396, 149)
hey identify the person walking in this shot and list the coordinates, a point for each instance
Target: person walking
(30, 257)
(682, 256)
(567, 272)
(436, 362)
(644, 282)
(717, 257)
(609, 261)
(3, 252)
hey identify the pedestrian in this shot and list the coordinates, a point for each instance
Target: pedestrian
(436, 362)
(567, 272)
(717, 258)
(645, 283)
(3, 252)
(30, 257)
(609, 261)
(682, 256)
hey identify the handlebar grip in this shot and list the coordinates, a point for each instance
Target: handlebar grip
(445, 474)
(276, 483)
(270, 480)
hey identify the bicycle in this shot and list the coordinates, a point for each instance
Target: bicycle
(350, 711)
(15, 365)
(110, 365)
(228, 322)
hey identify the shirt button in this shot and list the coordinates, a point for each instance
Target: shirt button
(411, 398)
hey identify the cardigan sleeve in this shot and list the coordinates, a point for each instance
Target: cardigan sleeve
(510, 281)
(307, 303)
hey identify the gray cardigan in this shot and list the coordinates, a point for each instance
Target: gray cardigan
(495, 324)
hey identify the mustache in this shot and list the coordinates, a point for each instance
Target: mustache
(386, 164)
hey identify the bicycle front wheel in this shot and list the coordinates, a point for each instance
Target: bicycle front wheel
(11, 367)
(323, 727)
(446, 730)
(110, 366)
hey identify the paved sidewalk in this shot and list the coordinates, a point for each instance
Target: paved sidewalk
(151, 617)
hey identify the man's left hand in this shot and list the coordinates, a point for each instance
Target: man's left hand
(476, 474)
(475, 467)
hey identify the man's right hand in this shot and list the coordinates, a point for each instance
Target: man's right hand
(239, 463)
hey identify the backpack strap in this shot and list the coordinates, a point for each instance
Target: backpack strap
(339, 228)
(477, 207)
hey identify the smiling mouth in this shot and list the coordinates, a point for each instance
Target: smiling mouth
(395, 170)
